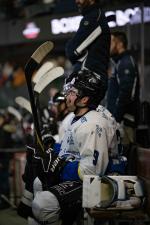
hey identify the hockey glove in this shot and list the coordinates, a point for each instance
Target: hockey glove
(51, 165)
(56, 167)
(31, 170)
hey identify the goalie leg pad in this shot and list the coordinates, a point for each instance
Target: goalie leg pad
(46, 208)
(37, 185)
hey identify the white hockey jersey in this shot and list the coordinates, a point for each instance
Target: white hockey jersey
(63, 125)
(89, 140)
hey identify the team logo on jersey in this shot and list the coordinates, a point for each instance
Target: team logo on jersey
(104, 116)
(83, 119)
(100, 108)
(70, 140)
(99, 130)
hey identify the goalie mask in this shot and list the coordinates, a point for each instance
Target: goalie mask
(88, 84)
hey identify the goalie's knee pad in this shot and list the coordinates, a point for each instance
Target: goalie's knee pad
(37, 185)
(32, 221)
(45, 207)
(25, 207)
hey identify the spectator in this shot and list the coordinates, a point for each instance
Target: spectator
(123, 88)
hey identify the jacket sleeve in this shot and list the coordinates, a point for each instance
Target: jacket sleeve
(88, 31)
(127, 81)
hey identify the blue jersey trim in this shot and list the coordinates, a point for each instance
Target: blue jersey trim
(57, 148)
(70, 172)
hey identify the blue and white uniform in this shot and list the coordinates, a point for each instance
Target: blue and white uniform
(88, 140)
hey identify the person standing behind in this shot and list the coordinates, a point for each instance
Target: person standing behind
(89, 47)
(123, 89)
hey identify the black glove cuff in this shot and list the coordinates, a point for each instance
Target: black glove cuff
(58, 164)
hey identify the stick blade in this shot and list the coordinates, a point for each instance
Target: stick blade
(24, 103)
(37, 58)
(14, 112)
(43, 69)
(48, 78)
(42, 51)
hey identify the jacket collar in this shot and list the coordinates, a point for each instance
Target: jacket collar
(117, 57)
(89, 8)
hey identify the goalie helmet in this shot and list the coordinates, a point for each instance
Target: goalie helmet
(89, 84)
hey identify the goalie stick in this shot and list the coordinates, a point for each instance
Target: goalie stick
(23, 102)
(30, 67)
(43, 69)
(43, 82)
(46, 79)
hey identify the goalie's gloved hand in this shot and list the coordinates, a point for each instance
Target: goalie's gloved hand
(52, 164)
(24, 208)
(55, 169)
(57, 165)
(29, 157)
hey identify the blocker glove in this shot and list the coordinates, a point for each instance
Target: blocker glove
(52, 165)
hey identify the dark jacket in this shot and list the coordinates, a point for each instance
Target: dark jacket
(89, 47)
(123, 89)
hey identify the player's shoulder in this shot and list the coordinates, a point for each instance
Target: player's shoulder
(105, 115)
(101, 118)
(92, 114)
(68, 119)
(103, 110)
(96, 117)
